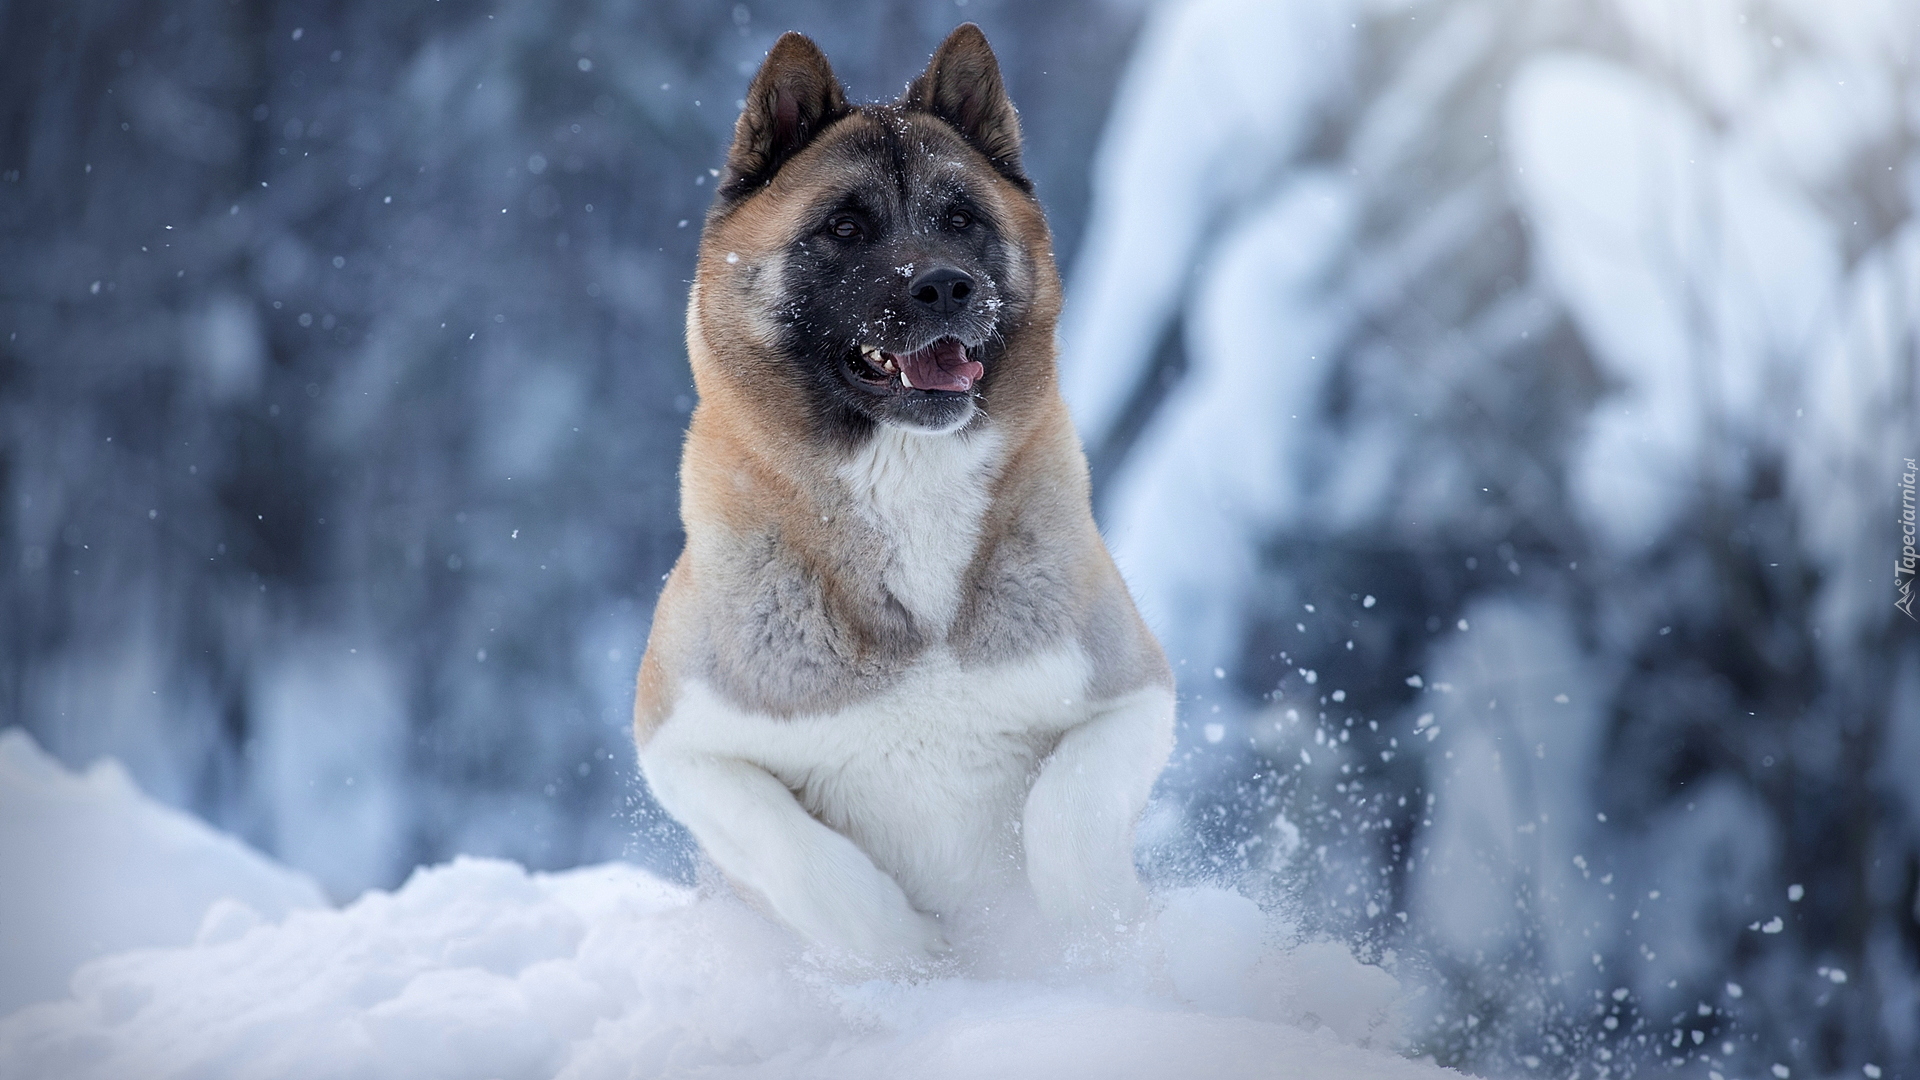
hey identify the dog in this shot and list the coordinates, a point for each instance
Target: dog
(894, 679)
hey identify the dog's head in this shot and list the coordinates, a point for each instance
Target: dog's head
(879, 264)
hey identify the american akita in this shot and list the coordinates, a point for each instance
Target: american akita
(894, 677)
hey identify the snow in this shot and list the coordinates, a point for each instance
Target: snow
(94, 867)
(214, 962)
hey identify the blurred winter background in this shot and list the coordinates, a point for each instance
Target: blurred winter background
(1500, 408)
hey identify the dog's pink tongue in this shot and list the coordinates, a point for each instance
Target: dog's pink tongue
(942, 365)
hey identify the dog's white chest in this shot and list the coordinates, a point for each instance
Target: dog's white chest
(926, 494)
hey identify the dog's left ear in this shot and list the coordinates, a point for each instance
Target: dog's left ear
(962, 86)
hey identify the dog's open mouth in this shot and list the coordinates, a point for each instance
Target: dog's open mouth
(943, 365)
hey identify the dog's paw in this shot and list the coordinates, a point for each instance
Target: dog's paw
(912, 945)
(916, 942)
(933, 943)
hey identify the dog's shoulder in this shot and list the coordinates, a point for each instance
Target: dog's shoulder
(1043, 575)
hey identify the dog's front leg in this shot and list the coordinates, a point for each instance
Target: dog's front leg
(1078, 825)
(813, 878)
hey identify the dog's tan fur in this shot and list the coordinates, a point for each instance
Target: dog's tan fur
(779, 603)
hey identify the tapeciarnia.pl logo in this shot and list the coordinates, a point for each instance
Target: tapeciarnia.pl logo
(1903, 570)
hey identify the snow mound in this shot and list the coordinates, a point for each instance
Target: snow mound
(479, 968)
(95, 867)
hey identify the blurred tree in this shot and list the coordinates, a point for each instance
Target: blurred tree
(1506, 441)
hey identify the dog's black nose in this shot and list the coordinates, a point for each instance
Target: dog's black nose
(942, 288)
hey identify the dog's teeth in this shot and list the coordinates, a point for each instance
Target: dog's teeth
(904, 381)
(887, 363)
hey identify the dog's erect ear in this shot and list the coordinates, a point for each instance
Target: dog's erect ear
(962, 86)
(793, 99)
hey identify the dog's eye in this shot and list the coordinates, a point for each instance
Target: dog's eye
(959, 219)
(844, 227)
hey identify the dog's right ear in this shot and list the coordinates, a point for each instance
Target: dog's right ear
(793, 98)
